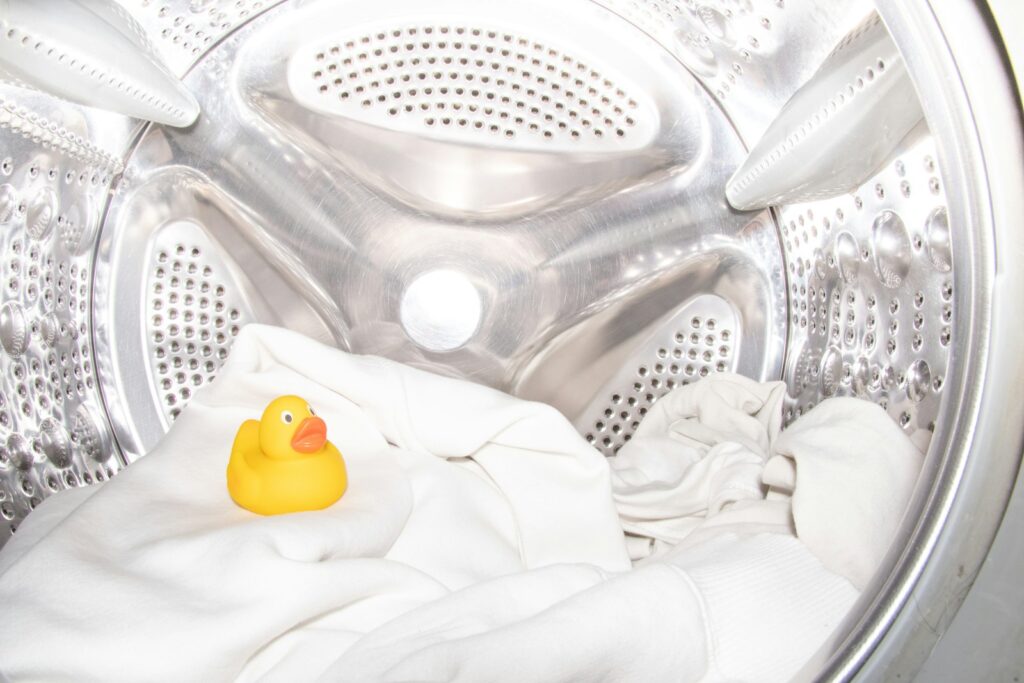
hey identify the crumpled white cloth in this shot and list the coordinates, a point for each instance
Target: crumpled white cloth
(742, 606)
(157, 575)
(700, 449)
(479, 541)
(711, 455)
(850, 471)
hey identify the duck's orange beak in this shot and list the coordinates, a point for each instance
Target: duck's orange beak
(310, 436)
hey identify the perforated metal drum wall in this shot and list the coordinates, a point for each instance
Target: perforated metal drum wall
(868, 275)
(871, 293)
(184, 30)
(58, 162)
(55, 173)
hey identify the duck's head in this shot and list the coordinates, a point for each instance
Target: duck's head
(290, 429)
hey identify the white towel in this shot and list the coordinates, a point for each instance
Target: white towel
(159, 576)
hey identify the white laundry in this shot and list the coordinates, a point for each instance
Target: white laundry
(741, 607)
(479, 540)
(700, 448)
(159, 576)
(851, 472)
(711, 456)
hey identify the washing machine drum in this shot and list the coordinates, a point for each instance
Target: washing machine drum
(588, 203)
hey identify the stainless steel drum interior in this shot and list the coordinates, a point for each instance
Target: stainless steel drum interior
(528, 195)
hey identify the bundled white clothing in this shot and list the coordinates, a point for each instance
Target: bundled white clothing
(479, 540)
(700, 449)
(707, 454)
(850, 471)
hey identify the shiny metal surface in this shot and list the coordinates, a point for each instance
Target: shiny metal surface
(970, 100)
(984, 633)
(182, 31)
(751, 56)
(56, 165)
(93, 53)
(872, 293)
(837, 130)
(537, 276)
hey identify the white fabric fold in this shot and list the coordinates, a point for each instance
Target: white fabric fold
(851, 472)
(768, 602)
(700, 448)
(742, 606)
(711, 455)
(560, 624)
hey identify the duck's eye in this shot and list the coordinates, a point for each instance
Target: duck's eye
(287, 417)
(310, 409)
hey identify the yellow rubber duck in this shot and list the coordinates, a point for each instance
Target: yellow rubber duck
(284, 463)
